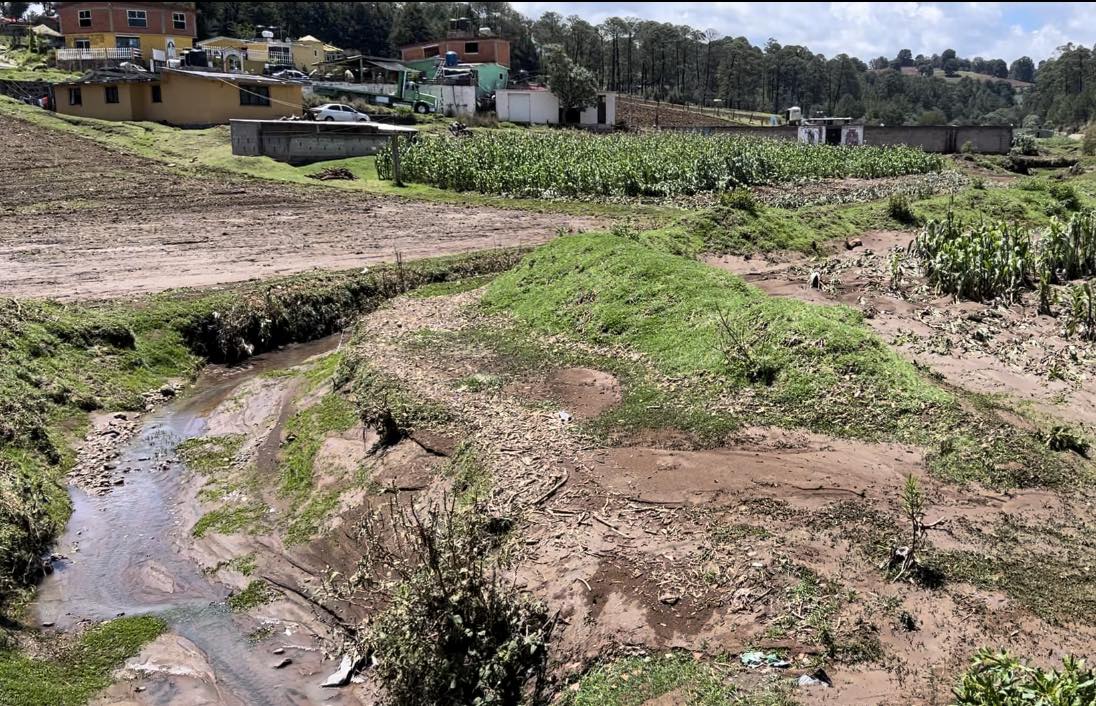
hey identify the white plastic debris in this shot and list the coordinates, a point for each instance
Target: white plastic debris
(564, 416)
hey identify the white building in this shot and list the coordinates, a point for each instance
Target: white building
(541, 107)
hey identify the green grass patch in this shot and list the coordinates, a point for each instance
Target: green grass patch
(256, 593)
(633, 681)
(75, 671)
(471, 478)
(306, 522)
(231, 519)
(764, 359)
(446, 289)
(210, 455)
(308, 428)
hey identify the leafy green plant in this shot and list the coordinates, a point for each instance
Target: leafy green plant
(568, 163)
(741, 199)
(1068, 248)
(454, 631)
(1024, 144)
(1066, 195)
(983, 261)
(899, 208)
(1080, 312)
(999, 679)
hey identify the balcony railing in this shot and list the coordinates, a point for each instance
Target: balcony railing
(98, 54)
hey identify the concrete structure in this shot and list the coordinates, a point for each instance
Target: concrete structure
(309, 51)
(469, 49)
(125, 31)
(489, 77)
(943, 139)
(178, 97)
(257, 55)
(302, 141)
(541, 107)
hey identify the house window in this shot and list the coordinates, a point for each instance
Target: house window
(74, 97)
(84, 17)
(255, 95)
(279, 56)
(137, 18)
(178, 19)
(127, 42)
(430, 51)
(112, 94)
(157, 96)
(471, 47)
(81, 44)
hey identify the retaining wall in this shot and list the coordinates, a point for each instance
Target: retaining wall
(302, 141)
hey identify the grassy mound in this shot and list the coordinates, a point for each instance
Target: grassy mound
(758, 359)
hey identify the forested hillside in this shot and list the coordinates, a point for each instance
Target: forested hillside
(681, 63)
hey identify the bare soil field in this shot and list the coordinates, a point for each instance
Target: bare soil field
(79, 220)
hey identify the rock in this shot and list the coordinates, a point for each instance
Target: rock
(48, 624)
(278, 650)
(283, 663)
(119, 481)
(815, 280)
(852, 243)
(670, 598)
(167, 391)
(341, 676)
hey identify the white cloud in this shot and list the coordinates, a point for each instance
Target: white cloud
(867, 30)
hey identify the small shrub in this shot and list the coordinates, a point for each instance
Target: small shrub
(899, 208)
(1066, 195)
(740, 199)
(978, 183)
(1080, 312)
(746, 345)
(1024, 144)
(967, 147)
(1088, 145)
(454, 631)
(998, 678)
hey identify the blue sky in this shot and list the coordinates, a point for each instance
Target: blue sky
(988, 29)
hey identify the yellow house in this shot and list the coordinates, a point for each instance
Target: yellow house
(309, 51)
(125, 30)
(185, 98)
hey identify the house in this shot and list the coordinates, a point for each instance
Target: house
(487, 77)
(184, 98)
(125, 31)
(268, 54)
(463, 43)
(541, 107)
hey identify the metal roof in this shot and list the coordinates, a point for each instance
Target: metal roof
(233, 78)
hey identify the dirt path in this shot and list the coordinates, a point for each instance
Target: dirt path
(79, 220)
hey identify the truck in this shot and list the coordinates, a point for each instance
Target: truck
(407, 93)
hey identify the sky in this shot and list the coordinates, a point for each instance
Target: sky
(992, 30)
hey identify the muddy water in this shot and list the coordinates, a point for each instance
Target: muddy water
(125, 549)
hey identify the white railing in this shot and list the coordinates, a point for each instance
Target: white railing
(92, 54)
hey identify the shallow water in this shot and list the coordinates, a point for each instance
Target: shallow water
(124, 549)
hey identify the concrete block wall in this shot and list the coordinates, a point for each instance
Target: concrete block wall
(943, 139)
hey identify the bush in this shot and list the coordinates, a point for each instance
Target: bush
(1024, 144)
(998, 678)
(455, 632)
(967, 147)
(1088, 146)
(1065, 195)
(741, 199)
(899, 208)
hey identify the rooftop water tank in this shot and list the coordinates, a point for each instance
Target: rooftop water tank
(451, 58)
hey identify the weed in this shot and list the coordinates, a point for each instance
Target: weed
(1080, 311)
(741, 199)
(899, 208)
(487, 644)
(995, 678)
(256, 593)
(230, 519)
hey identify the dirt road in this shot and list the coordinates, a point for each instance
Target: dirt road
(80, 220)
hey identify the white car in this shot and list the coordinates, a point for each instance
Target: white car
(338, 111)
(291, 75)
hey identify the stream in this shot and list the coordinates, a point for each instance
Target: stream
(125, 551)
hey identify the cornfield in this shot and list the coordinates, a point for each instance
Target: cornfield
(568, 163)
(982, 261)
(995, 259)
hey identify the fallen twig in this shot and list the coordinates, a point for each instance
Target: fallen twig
(553, 489)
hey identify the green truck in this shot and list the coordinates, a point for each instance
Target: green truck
(407, 93)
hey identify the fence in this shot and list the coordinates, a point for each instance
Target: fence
(98, 54)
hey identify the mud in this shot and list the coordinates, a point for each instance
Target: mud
(80, 220)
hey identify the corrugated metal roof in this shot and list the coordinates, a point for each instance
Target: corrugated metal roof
(233, 78)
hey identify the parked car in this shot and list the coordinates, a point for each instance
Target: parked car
(338, 111)
(291, 75)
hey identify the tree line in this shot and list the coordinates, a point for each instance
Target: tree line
(680, 63)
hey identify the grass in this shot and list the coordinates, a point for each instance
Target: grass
(195, 151)
(308, 428)
(256, 593)
(634, 681)
(77, 668)
(210, 454)
(785, 362)
(230, 519)
(446, 289)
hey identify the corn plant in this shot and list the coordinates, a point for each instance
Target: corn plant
(1069, 248)
(982, 261)
(1080, 311)
(568, 163)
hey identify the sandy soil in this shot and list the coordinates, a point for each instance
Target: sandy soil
(79, 220)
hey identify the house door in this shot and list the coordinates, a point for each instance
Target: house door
(601, 110)
(520, 111)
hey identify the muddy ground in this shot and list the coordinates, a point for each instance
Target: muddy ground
(80, 220)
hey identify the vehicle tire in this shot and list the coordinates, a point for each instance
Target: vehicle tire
(422, 108)
(329, 118)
